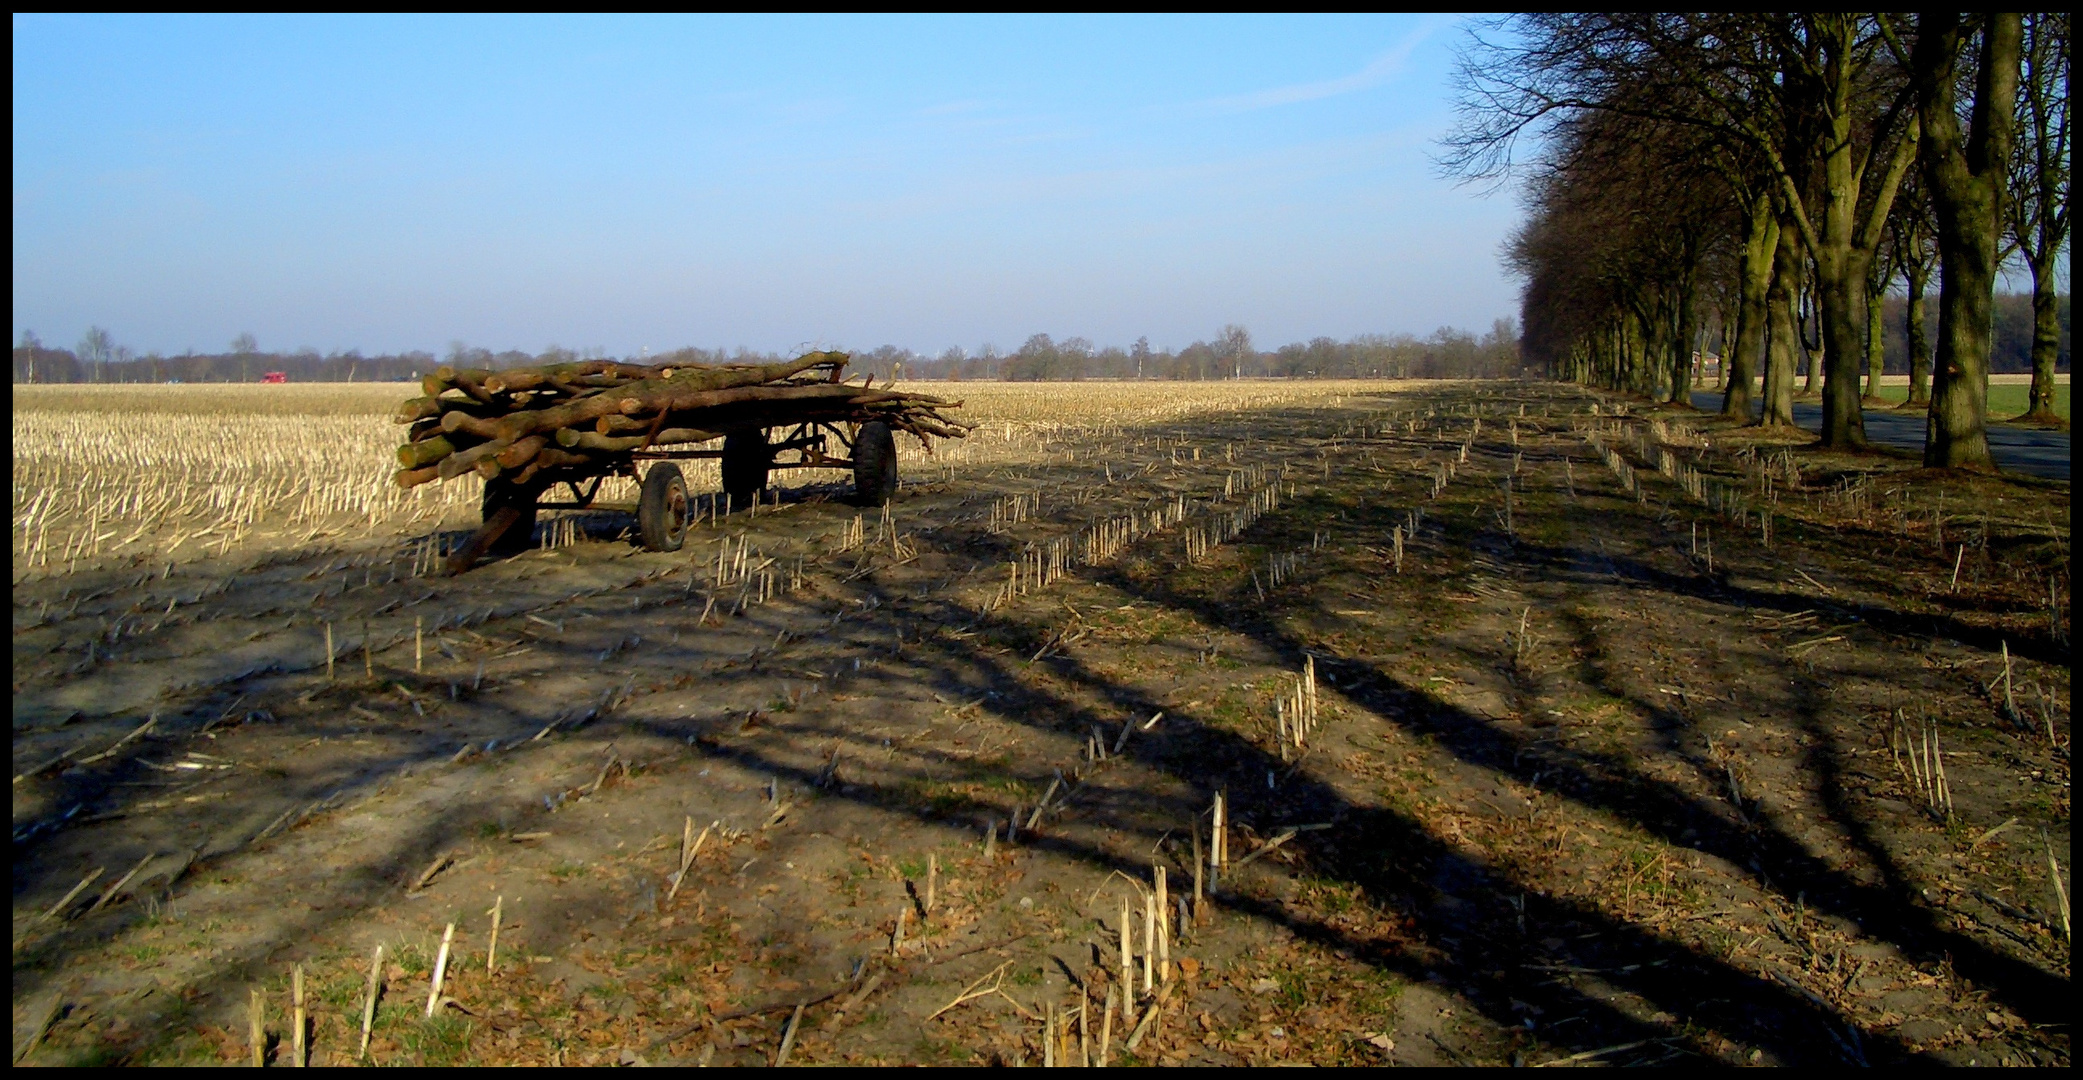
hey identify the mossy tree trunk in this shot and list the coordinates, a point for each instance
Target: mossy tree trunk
(1966, 171)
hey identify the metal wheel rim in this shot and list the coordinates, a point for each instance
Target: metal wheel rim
(676, 511)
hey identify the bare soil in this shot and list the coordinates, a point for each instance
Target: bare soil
(1601, 774)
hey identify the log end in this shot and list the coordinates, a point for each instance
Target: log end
(416, 409)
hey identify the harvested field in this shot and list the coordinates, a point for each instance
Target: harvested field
(1547, 728)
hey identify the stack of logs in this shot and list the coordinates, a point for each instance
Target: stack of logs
(589, 417)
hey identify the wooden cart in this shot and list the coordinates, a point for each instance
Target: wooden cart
(748, 457)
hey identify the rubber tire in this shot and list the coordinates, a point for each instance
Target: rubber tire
(521, 537)
(746, 461)
(662, 510)
(874, 464)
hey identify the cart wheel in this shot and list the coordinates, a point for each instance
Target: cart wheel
(501, 493)
(746, 460)
(661, 513)
(874, 464)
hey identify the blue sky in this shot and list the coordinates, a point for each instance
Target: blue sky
(388, 184)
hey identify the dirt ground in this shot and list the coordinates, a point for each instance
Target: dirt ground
(1606, 766)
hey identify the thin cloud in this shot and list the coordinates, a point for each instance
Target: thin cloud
(1383, 68)
(956, 108)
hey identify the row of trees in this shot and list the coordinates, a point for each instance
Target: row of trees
(1447, 353)
(1766, 180)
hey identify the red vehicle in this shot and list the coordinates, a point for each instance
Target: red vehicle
(275, 377)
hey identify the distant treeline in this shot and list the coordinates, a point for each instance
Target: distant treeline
(1446, 354)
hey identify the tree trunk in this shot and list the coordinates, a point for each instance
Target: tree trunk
(1814, 355)
(2046, 344)
(1785, 344)
(1616, 355)
(1876, 362)
(1856, 199)
(1966, 174)
(1683, 339)
(1760, 242)
(1840, 296)
(1722, 316)
(1919, 337)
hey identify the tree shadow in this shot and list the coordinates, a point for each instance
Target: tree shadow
(1612, 785)
(1440, 891)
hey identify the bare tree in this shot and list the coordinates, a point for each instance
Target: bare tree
(1914, 244)
(1816, 96)
(1785, 346)
(2039, 191)
(1838, 56)
(243, 347)
(96, 348)
(1627, 235)
(1233, 344)
(1966, 171)
(25, 357)
(1754, 278)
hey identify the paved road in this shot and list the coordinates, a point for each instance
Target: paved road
(2017, 449)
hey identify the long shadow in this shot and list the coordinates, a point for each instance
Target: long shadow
(1614, 786)
(40, 961)
(1376, 849)
(1567, 564)
(1377, 830)
(1372, 843)
(1898, 916)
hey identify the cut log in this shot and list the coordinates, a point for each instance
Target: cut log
(456, 420)
(589, 440)
(689, 388)
(420, 454)
(463, 461)
(412, 478)
(448, 375)
(522, 451)
(582, 373)
(419, 408)
(552, 458)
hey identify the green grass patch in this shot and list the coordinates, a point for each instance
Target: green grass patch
(942, 1051)
(443, 1039)
(944, 797)
(410, 957)
(2006, 400)
(1229, 709)
(1336, 897)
